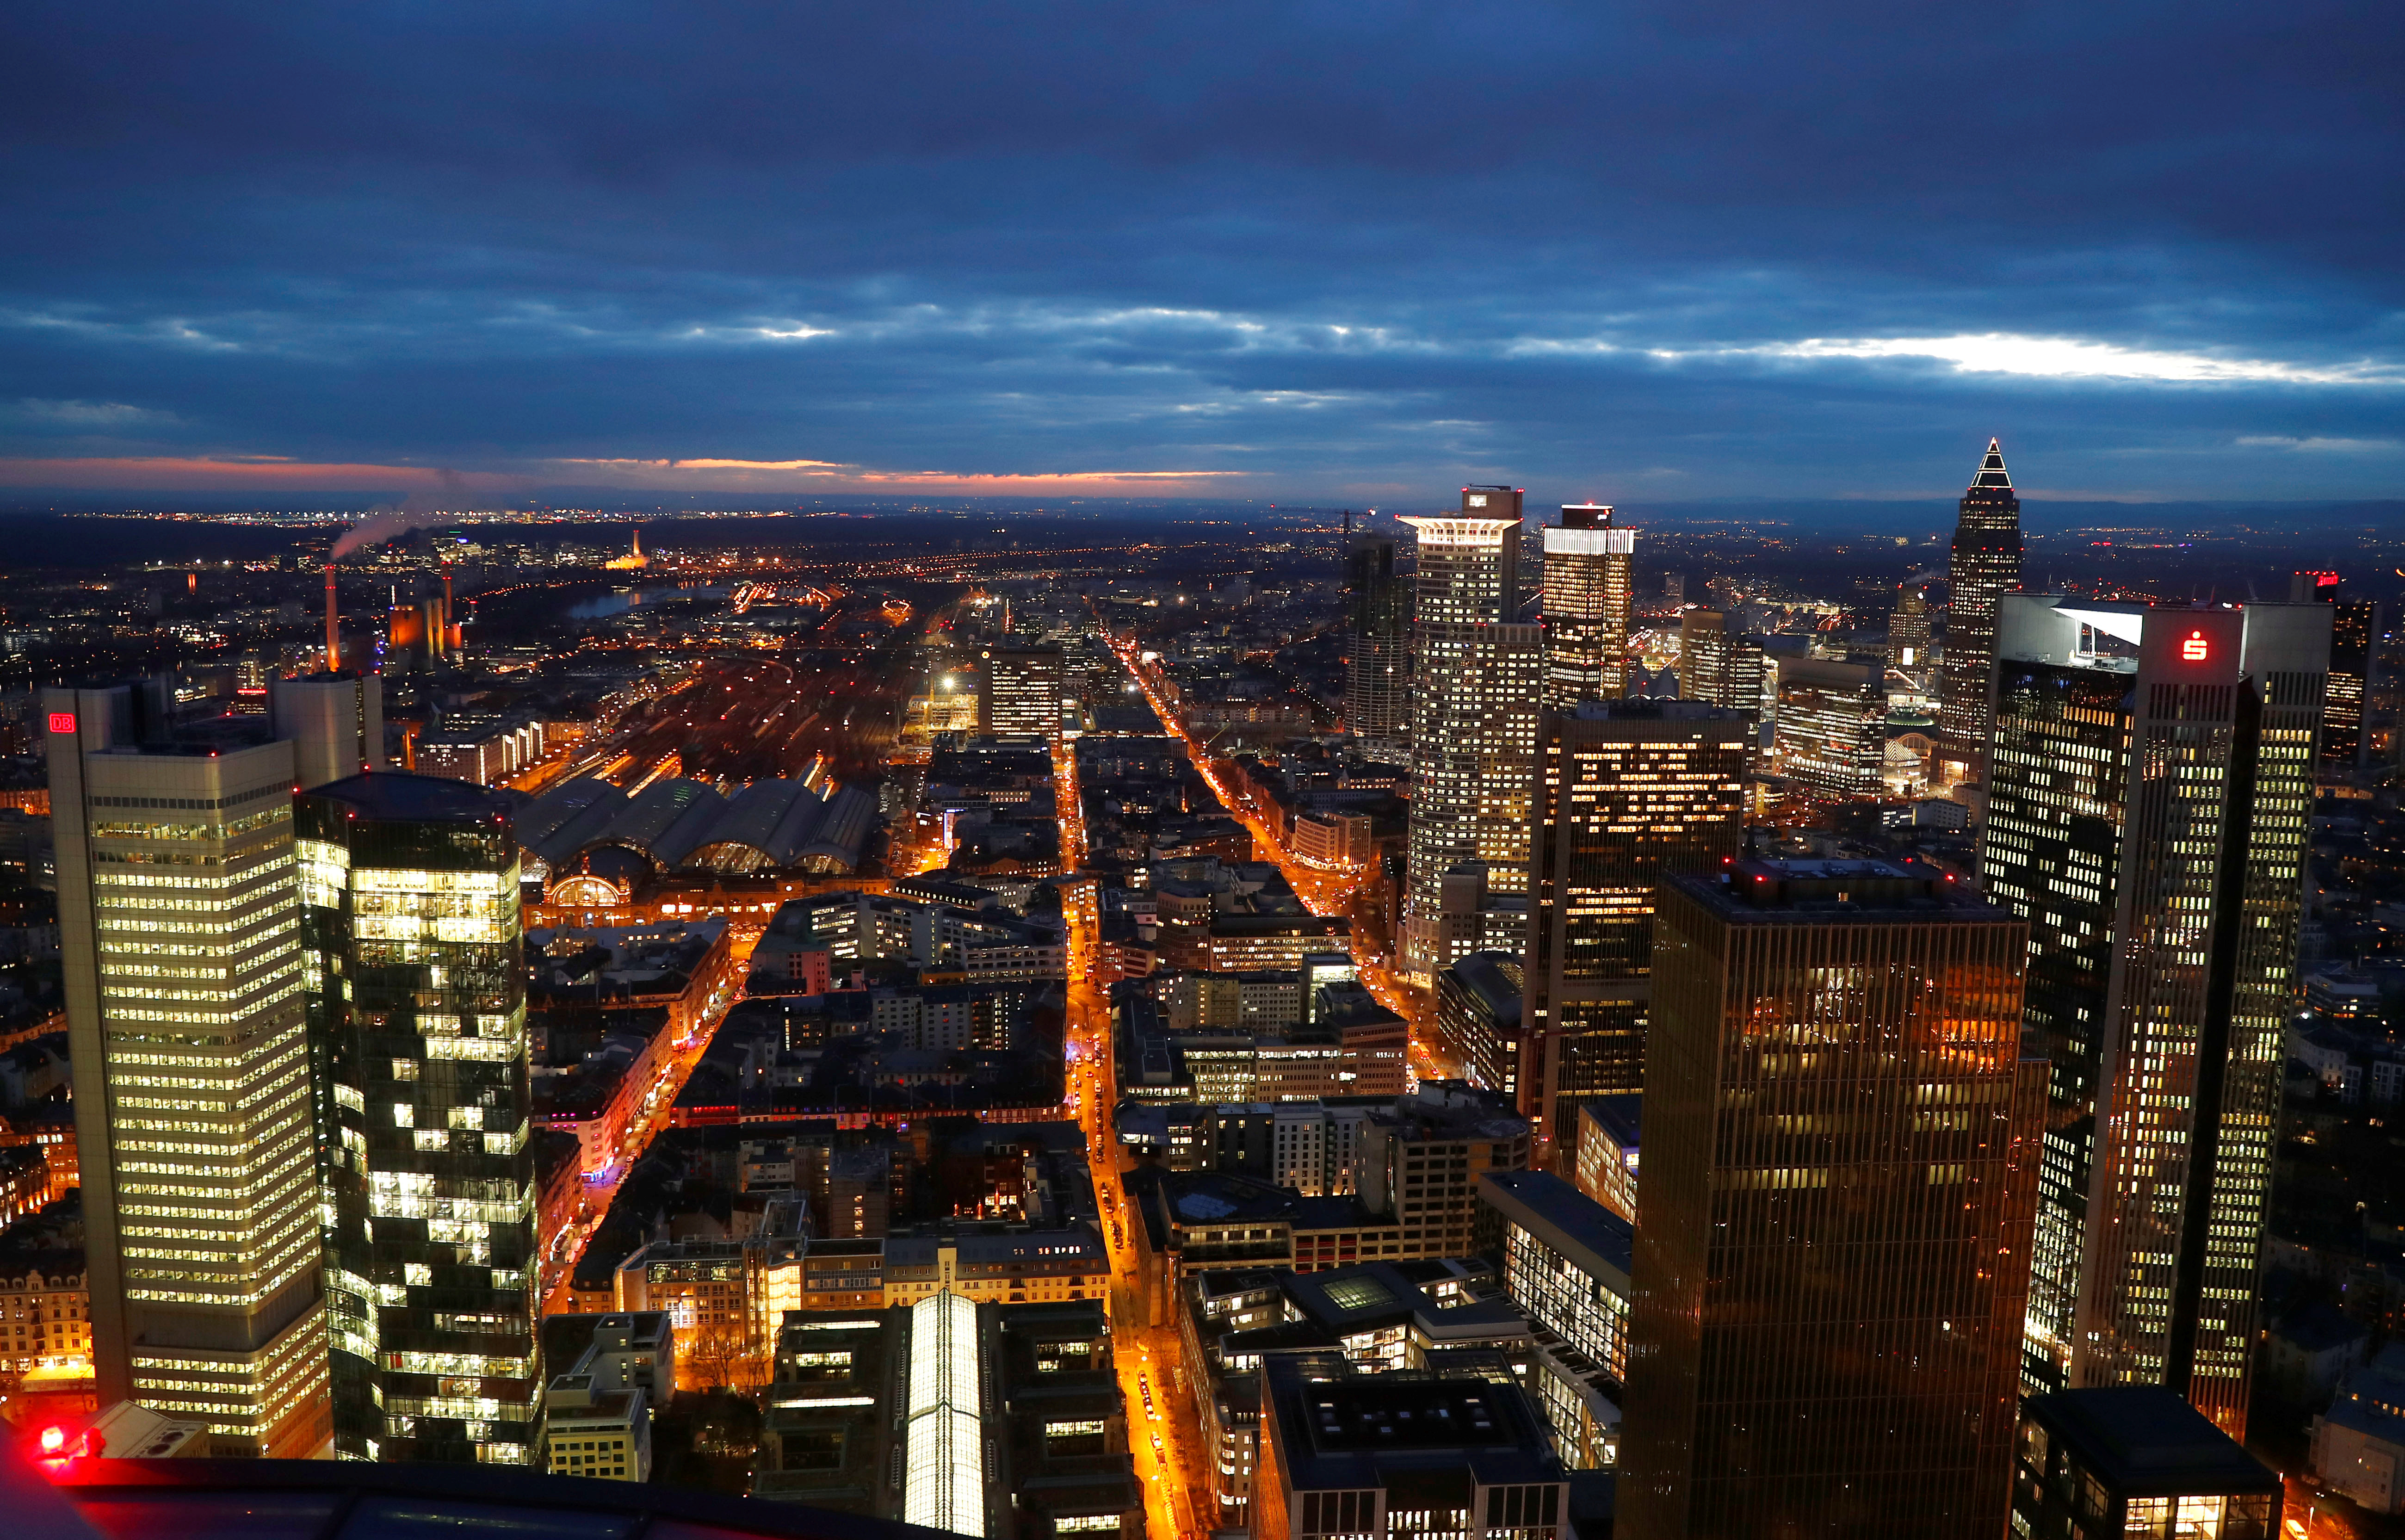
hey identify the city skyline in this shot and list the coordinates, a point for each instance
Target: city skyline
(1275, 771)
(723, 972)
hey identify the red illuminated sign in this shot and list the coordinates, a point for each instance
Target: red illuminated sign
(62, 721)
(2193, 649)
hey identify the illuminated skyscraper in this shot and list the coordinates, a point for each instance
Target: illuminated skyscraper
(1832, 730)
(1378, 671)
(1586, 599)
(1987, 564)
(1021, 691)
(2354, 636)
(1718, 666)
(2151, 783)
(180, 937)
(1832, 1238)
(418, 1026)
(1908, 631)
(1478, 677)
(1627, 792)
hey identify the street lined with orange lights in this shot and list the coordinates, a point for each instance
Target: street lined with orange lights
(1175, 1501)
(1321, 890)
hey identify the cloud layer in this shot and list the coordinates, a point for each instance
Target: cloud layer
(1358, 250)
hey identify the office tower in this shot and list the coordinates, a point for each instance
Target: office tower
(1840, 1156)
(2136, 1460)
(417, 999)
(1419, 1162)
(1907, 631)
(1611, 1130)
(1627, 792)
(1474, 710)
(1473, 916)
(1987, 564)
(1718, 666)
(1587, 598)
(1478, 1018)
(1022, 691)
(1565, 1260)
(2355, 639)
(335, 721)
(180, 934)
(2147, 813)
(1831, 734)
(1378, 642)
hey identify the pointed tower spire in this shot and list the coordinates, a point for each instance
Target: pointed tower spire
(1987, 565)
(1991, 470)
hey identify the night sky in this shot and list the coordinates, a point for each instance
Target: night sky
(1347, 251)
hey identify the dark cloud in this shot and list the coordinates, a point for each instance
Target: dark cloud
(1328, 244)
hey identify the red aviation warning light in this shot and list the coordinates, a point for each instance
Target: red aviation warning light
(2193, 649)
(54, 1439)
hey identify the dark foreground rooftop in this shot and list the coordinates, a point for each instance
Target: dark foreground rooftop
(328, 1500)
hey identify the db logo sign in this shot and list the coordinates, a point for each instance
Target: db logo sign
(62, 721)
(2193, 649)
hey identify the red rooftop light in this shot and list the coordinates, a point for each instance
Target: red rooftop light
(54, 1439)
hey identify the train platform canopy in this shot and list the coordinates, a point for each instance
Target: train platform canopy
(685, 825)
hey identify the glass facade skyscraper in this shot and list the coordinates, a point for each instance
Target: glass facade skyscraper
(2354, 636)
(1378, 642)
(1718, 666)
(1908, 631)
(1627, 792)
(1840, 1154)
(416, 994)
(1832, 731)
(1585, 604)
(1478, 676)
(2151, 786)
(1987, 564)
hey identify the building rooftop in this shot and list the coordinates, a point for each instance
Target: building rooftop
(1622, 1116)
(1758, 888)
(1492, 978)
(1562, 1217)
(2143, 1441)
(396, 796)
(348, 1500)
(1654, 708)
(1406, 1432)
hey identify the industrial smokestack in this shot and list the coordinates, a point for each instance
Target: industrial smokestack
(443, 642)
(333, 628)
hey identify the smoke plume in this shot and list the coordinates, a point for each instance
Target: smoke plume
(414, 512)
